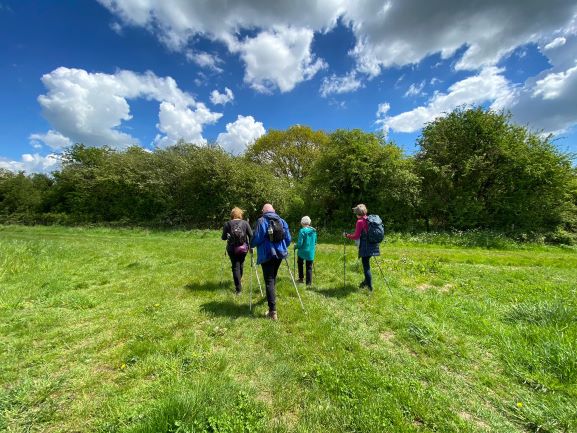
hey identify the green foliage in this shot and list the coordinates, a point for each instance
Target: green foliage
(480, 171)
(290, 153)
(358, 167)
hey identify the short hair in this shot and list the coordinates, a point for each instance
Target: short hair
(360, 210)
(236, 213)
(306, 221)
(267, 208)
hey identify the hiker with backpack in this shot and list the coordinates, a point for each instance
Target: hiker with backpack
(369, 232)
(306, 246)
(271, 239)
(237, 233)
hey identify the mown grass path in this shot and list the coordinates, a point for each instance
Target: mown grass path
(106, 330)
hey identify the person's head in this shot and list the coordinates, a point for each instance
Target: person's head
(267, 208)
(360, 210)
(236, 213)
(305, 221)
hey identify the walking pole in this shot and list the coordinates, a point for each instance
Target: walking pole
(294, 283)
(383, 275)
(344, 262)
(256, 272)
(250, 295)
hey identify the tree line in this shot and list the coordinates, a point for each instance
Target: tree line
(474, 169)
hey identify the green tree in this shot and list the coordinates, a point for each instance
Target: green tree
(290, 153)
(479, 170)
(359, 167)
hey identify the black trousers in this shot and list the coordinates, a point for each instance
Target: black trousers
(309, 270)
(269, 272)
(237, 266)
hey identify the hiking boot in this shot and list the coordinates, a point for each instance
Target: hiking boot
(300, 281)
(272, 315)
(363, 285)
(237, 293)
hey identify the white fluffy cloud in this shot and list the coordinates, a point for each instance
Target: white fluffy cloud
(415, 89)
(221, 98)
(280, 58)
(240, 134)
(488, 86)
(52, 139)
(337, 85)
(32, 163)
(179, 122)
(89, 108)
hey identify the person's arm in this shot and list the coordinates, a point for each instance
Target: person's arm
(248, 231)
(300, 240)
(258, 237)
(287, 233)
(225, 231)
(358, 231)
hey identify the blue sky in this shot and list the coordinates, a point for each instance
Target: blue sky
(135, 72)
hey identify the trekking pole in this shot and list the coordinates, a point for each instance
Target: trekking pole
(294, 283)
(250, 293)
(344, 262)
(383, 275)
(256, 272)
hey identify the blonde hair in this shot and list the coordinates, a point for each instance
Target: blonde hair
(305, 221)
(236, 213)
(360, 210)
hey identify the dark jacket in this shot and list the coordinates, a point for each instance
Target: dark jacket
(266, 249)
(227, 231)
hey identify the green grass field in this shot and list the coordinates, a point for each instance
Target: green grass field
(106, 330)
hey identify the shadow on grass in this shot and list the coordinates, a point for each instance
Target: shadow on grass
(338, 292)
(231, 308)
(209, 286)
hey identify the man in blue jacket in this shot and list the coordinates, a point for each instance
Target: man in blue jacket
(271, 239)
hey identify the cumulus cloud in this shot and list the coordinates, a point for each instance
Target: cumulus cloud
(52, 139)
(89, 108)
(387, 33)
(239, 134)
(32, 163)
(489, 85)
(221, 98)
(337, 85)
(404, 32)
(280, 58)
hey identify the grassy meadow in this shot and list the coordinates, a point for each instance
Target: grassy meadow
(110, 330)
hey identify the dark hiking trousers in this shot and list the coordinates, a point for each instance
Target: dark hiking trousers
(309, 270)
(367, 271)
(269, 271)
(237, 266)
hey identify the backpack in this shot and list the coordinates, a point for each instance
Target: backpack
(376, 232)
(275, 230)
(237, 234)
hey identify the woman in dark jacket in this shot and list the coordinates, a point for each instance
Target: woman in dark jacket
(237, 233)
(366, 249)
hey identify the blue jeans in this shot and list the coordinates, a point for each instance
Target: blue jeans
(367, 270)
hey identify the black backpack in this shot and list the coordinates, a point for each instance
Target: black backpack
(376, 232)
(237, 234)
(275, 230)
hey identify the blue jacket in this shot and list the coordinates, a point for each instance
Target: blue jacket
(266, 249)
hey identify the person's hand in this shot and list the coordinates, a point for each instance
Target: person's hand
(344, 234)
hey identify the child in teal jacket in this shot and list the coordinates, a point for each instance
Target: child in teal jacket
(306, 246)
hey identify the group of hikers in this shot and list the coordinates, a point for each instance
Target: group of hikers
(271, 237)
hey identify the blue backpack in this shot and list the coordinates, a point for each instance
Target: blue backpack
(376, 232)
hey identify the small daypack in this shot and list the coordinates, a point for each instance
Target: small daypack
(376, 232)
(237, 234)
(275, 230)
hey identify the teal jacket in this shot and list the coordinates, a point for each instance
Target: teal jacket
(307, 243)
